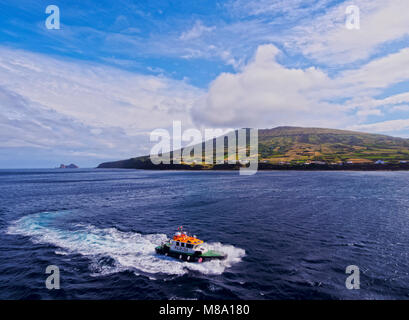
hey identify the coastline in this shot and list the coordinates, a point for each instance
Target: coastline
(147, 165)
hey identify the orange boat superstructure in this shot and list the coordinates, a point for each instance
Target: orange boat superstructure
(181, 242)
(188, 248)
(183, 237)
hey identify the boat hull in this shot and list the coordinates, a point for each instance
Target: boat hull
(196, 257)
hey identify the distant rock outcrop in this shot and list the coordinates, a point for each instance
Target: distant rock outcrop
(70, 166)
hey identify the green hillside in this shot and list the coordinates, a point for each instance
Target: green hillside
(296, 145)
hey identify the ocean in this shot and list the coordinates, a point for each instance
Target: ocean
(287, 234)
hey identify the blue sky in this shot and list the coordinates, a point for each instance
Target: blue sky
(93, 90)
(134, 35)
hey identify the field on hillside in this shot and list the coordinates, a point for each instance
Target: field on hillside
(298, 145)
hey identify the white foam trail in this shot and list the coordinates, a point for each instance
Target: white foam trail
(111, 250)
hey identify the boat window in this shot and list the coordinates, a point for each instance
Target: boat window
(177, 243)
(182, 244)
(190, 246)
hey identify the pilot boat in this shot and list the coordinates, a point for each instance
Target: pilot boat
(188, 248)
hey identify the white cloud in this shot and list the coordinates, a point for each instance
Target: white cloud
(384, 126)
(326, 39)
(376, 77)
(382, 72)
(316, 29)
(197, 30)
(265, 93)
(287, 9)
(400, 108)
(24, 123)
(393, 102)
(80, 108)
(96, 95)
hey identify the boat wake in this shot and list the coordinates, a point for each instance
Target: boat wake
(111, 250)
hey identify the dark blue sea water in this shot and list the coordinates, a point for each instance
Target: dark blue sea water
(288, 235)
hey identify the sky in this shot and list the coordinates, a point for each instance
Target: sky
(94, 89)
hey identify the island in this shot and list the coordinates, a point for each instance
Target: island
(297, 148)
(70, 166)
